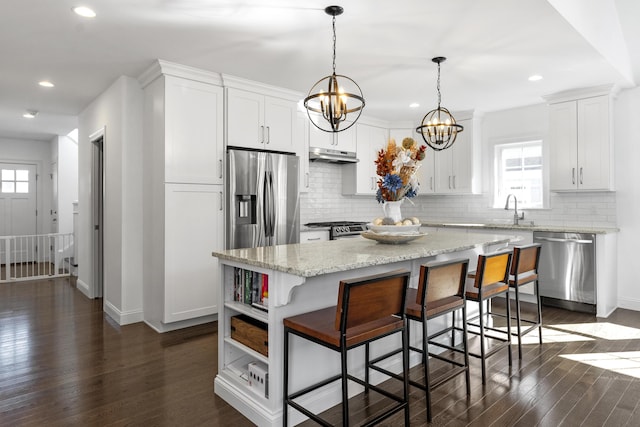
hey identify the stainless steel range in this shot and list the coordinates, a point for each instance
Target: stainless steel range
(341, 229)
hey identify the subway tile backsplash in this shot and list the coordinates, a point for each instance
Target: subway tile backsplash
(325, 202)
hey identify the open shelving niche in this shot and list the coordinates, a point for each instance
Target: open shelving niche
(237, 355)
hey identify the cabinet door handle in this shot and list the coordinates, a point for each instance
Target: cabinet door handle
(373, 183)
(220, 168)
(431, 183)
(454, 182)
(312, 238)
(573, 176)
(221, 200)
(306, 177)
(262, 132)
(580, 175)
(449, 182)
(268, 135)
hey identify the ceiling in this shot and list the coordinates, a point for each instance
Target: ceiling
(492, 47)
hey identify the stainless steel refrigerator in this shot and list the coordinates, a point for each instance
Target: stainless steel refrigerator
(262, 199)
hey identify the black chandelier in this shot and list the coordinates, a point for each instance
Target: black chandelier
(334, 97)
(439, 128)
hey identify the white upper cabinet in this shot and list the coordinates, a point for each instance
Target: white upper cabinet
(193, 130)
(426, 172)
(343, 141)
(456, 168)
(259, 121)
(580, 144)
(361, 177)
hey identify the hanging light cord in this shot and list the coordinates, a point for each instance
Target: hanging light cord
(334, 44)
(439, 95)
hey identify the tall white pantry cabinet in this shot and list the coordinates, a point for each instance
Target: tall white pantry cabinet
(184, 210)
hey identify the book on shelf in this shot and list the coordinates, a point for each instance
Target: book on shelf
(251, 288)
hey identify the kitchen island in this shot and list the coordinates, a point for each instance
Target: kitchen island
(302, 278)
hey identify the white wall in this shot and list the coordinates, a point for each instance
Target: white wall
(38, 153)
(65, 155)
(627, 161)
(119, 111)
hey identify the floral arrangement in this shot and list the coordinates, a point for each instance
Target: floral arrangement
(397, 166)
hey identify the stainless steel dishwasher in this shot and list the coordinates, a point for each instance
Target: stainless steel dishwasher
(567, 270)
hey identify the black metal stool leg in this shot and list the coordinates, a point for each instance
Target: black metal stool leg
(285, 385)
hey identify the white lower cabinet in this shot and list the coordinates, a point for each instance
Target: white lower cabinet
(194, 226)
(314, 236)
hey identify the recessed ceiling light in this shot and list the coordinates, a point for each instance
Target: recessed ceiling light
(84, 11)
(414, 105)
(535, 78)
(46, 83)
(30, 114)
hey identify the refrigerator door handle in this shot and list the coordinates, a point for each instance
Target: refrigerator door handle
(272, 207)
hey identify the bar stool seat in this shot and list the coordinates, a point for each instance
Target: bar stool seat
(368, 308)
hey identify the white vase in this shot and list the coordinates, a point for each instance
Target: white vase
(392, 210)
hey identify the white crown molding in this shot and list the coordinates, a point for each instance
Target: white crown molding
(573, 94)
(263, 88)
(161, 67)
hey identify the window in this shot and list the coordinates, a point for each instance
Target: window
(518, 171)
(15, 180)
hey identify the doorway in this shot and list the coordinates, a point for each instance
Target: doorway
(18, 205)
(97, 210)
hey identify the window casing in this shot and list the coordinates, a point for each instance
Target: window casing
(519, 171)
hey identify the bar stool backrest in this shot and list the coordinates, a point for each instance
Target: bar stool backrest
(441, 280)
(525, 259)
(371, 298)
(492, 269)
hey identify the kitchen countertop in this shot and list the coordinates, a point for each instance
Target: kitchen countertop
(525, 226)
(318, 258)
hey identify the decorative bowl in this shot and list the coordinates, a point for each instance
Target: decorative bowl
(392, 238)
(394, 228)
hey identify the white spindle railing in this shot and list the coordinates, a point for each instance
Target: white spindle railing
(35, 257)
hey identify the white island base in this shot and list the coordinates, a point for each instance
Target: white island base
(303, 278)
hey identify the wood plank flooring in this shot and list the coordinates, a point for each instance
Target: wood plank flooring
(64, 363)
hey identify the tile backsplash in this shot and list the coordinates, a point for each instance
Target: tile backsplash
(325, 202)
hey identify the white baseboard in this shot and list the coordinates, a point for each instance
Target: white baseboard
(84, 288)
(121, 317)
(629, 303)
(167, 327)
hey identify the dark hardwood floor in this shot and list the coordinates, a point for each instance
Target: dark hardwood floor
(64, 363)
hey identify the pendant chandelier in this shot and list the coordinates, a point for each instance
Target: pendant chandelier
(333, 99)
(439, 129)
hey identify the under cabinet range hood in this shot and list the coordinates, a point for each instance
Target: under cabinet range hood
(317, 154)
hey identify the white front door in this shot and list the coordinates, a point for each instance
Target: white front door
(18, 205)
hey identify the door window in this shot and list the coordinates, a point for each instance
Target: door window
(15, 181)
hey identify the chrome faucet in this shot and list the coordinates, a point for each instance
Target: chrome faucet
(516, 217)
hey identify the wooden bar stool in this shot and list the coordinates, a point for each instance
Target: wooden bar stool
(368, 308)
(440, 292)
(524, 270)
(488, 281)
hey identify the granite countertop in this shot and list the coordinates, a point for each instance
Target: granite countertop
(525, 225)
(318, 258)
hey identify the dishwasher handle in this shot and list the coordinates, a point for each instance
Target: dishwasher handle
(555, 239)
